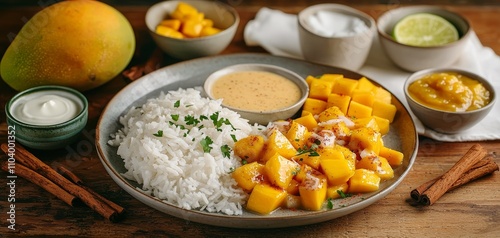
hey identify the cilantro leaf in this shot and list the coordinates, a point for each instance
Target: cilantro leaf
(206, 143)
(159, 133)
(177, 103)
(226, 151)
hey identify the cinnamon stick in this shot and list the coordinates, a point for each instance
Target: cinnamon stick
(29, 160)
(71, 176)
(43, 182)
(445, 182)
(483, 167)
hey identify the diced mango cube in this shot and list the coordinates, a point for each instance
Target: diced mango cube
(208, 31)
(280, 170)
(298, 135)
(315, 106)
(384, 110)
(320, 89)
(364, 97)
(358, 110)
(168, 32)
(293, 188)
(382, 95)
(182, 10)
(305, 113)
(394, 157)
(307, 121)
(377, 164)
(348, 154)
(331, 77)
(249, 175)
(309, 79)
(334, 191)
(330, 113)
(192, 28)
(330, 153)
(340, 129)
(365, 139)
(363, 181)
(265, 198)
(303, 171)
(340, 101)
(312, 191)
(383, 124)
(292, 201)
(369, 122)
(172, 23)
(278, 143)
(345, 86)
(365, 85)
(249, 148)
(337, 171)
(207, 22)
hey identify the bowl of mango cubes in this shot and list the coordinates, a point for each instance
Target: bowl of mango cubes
(192, 29)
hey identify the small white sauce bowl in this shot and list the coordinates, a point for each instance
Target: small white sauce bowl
(262, 117)
(48, 137)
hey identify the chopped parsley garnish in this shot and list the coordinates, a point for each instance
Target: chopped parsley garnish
(175, 117)
(234, 137)
(226, 151)
(329, 204)
(159, 133)
(177, 103)
(206, 143)
(304, 150)
(343, 195)
(191, 120)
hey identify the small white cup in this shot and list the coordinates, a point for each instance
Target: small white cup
(349, 52)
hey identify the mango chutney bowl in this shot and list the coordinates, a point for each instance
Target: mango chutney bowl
(440, 102)
(47, 117)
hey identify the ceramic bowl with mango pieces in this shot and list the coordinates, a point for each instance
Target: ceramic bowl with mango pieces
(191, 29)
(449, 100)
(425, 50)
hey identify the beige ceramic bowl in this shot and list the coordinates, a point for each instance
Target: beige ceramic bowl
(414, 58)
(223, 16)
(444, 121)
(349, 52)
(262, 117)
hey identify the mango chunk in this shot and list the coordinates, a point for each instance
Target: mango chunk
(249, 175)
(307, 158)
(331, 77)
(168, 32)
(308, 121)
(394, 157)
(172, 23)
(364, 97)
(320, 89)
(382, 95)
(365, 139)
(383, 124)
(312, 191)
(265, 198)
(337, 171)
(293, 188)
(358, 110)
(208, 31)
(249, 148)
(278, 143)
(192, 28)
(334, 191)
(377, 164)
(384, 110)
(363, 181)
(314, 106)
(340, 101)
(298, 135)
(281, 170)
(330, 113)
(345, 86)
(365, 85)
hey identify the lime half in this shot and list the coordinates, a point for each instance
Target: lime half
(424, 29)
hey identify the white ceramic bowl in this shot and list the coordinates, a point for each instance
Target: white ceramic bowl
(262, 117)
(349, 51)
(445, 121)
(224, 17)
(414, 58)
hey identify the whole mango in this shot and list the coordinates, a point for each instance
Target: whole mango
(80, 44)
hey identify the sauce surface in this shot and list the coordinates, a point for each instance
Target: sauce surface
(450, 92)
(44, 108)
(256, 91)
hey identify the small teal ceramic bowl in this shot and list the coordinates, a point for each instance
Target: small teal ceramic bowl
(47, 117)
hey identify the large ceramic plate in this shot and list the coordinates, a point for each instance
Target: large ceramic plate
(402, 136)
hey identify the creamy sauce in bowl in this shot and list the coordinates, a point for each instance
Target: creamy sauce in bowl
(256, 91)
(46, 108)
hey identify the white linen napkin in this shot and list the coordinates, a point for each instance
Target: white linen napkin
(277, 32)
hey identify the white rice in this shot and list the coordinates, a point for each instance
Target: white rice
(174, 167)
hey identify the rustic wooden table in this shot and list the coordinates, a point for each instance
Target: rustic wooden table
(471, 210)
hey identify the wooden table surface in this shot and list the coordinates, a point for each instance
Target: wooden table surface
(469, 211)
